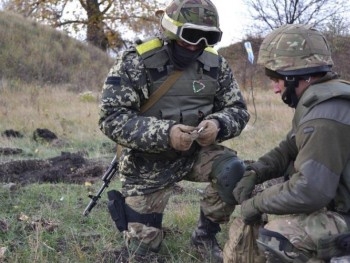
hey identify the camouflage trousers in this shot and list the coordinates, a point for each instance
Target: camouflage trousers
(210, 203)
(302, 230)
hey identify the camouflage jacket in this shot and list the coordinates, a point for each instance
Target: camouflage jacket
(318, 146)
(144, 167)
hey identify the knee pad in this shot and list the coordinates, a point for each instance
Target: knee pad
(151, 219)
(227, 170)
(278, 249)
(122, 214)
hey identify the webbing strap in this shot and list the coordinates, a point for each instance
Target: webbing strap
(156, 95)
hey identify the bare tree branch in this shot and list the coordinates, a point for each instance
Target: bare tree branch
(274, 13)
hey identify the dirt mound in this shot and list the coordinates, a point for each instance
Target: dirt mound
(67, 168)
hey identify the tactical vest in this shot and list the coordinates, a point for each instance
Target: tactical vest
(314, 95)
(191, 98)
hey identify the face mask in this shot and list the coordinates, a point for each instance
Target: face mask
(183, 57)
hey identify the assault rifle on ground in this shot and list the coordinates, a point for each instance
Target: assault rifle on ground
(107, 177)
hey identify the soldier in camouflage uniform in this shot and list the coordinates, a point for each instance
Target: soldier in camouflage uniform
(311, 207)
(176, 138)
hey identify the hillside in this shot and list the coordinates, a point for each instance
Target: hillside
(34, 53)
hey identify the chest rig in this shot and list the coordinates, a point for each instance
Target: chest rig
(191, 97)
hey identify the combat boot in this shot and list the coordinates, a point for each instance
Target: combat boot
(204, 240)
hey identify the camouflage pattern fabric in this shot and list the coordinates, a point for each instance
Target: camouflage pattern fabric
(126, 89)
(241, 245)
(154, 203)
(304, 230)
(146, 170)
(293, 47)
(211, 204)
(199, 12)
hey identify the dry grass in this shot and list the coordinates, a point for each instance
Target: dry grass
(34, 53)
(72, 116)
(69, 108)
(65, 113)
(267, 126)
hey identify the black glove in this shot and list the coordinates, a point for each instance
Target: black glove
(244, 188)
(250, 214)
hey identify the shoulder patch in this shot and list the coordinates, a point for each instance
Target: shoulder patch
(148, 46)
(113, 81)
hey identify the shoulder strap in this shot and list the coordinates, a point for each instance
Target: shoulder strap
(156, 95)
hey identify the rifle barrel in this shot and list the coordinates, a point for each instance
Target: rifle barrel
(107, 177)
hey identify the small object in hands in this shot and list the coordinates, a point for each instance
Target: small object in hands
(195, 133)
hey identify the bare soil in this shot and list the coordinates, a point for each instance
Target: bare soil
(66, 168)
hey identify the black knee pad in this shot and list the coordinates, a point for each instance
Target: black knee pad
(151, 219)
(227, 170)
(122, 214)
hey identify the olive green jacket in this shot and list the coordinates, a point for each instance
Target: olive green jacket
(319, 147)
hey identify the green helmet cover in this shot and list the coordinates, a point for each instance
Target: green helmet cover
(295, 49)
(198, 12)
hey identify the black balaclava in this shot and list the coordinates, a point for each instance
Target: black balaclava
(181, 56)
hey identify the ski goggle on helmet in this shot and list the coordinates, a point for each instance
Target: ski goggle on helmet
(192, 21)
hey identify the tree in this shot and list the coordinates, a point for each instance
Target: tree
(106, 23)
(273, 13)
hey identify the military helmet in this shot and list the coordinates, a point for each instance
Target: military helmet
(192, 21)
(295, 49)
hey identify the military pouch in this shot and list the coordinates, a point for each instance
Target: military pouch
(333, 246)
(116, 207)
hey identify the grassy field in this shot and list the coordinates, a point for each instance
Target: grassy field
(44, 222)
(50, 81)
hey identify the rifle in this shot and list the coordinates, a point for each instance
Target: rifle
(107, 177)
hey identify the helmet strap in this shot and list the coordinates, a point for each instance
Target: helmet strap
(289, 96)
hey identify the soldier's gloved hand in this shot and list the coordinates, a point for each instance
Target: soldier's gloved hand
(244, 188)
(209, 133)
(180, 138)
(250, 214)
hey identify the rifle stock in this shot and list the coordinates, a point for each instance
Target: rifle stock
(107, 177)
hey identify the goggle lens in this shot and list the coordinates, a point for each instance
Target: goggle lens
(194, 36)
